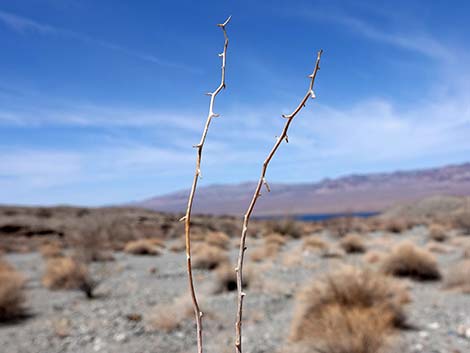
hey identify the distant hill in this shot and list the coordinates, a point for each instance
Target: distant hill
(433, 206)
(353, 193)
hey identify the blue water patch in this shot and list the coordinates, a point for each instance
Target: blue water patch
(322, 216)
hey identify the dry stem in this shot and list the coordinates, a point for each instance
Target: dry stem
(262, 181)
(187, 218)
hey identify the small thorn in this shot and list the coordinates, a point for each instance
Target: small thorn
(236, 269)
(266, 184)
(285, 116)
(312, 94)
(208, 94)
(182, 219)
(215, 115)
(287, 139)
(221, 55)
(201, 314)
(242, 294)
(197, 146)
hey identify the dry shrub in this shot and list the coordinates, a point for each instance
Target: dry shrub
(68, 273)
(458, 277)
(5, 266)
(466, 253)
(438, 248)
(313, 243)
(462, 222)
(226, 279)
(374, 256)
(396, 226)
(177, 246)
(293, 258)
(168, 317)
(353, 243)
(350, 310)
(275, 239)
(437, 233)
(332, 252)
(91, 238)
(51, 250)
(218, 239)
(287, 227)
(340, 226)
(12, 296)
(407, 260)
(208, 257)
(141, 247)
(265, 252)
(158, 242)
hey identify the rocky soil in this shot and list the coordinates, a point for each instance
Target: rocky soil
(120, 318)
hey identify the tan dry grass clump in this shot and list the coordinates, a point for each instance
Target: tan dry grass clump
(142, 247)
(396, 226)
(312, 243)
(349, 310)
(208, 257)
(408, 260)
(353, 243)
(332, 252)
(265, 252)
(458, 277)
(50, 250)
(177, 246)
(169, 316)
(287, 227)
(374, 256)
(438, 248)
(275, 239)
(12, 296)
(226, 279)
(438, 233)
(462, 222)
(293, 258)
(219, 239)
(68, 273)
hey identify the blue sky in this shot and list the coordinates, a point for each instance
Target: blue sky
(101, 101)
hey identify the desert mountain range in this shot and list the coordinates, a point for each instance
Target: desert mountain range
(352, 193)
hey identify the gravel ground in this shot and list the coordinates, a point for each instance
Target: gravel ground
(64, 321)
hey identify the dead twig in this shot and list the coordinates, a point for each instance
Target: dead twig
(262, 181)
(187, 218)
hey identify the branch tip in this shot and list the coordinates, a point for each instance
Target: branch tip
(225, 23)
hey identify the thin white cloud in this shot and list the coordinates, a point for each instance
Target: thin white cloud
(410, 40)
(87, 115)
(22, 24)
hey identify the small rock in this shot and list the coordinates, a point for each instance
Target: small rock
(434, 325)
(120, 337)
(418, 347)
(423, 334)
(463, 331)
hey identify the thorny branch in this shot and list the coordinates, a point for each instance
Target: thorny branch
(187, 218)
(262, 181)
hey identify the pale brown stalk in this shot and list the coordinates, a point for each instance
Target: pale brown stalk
(256, 195)
(187, 218)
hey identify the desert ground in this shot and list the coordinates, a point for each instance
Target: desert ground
(114, 280)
